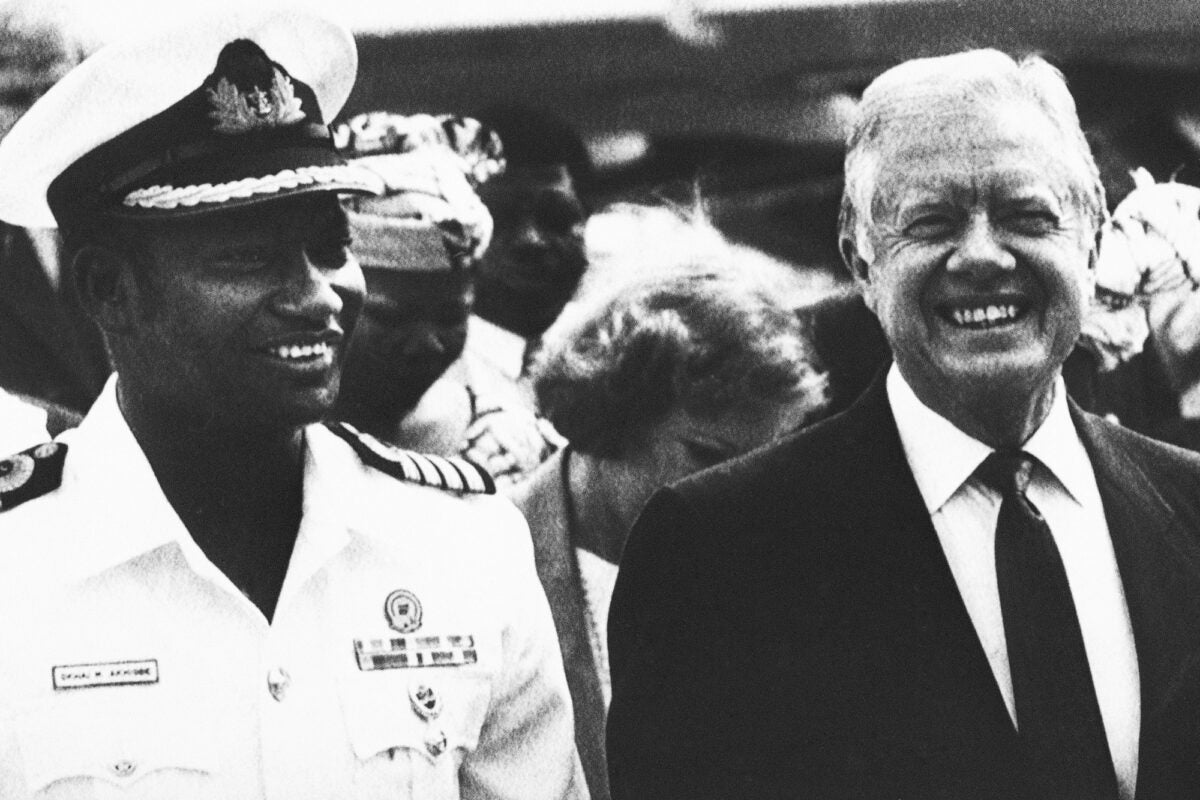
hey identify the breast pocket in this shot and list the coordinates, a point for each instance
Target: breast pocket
(411, 729)
(100, 747)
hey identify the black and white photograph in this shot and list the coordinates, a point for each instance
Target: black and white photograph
(610, 399)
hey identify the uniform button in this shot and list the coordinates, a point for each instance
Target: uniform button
(124, 768)
(435, 743)
(278, 681)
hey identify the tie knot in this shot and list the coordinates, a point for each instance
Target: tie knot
(1007, 471)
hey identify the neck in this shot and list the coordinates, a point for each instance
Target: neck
(200, 461)
(1002, 418)
(598, 522)
(378, 419)
(237, 490)
(435, 423)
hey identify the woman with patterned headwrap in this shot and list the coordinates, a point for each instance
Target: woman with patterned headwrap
(405, 380)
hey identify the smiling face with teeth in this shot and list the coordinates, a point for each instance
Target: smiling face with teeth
(977, 259)
(242, 316)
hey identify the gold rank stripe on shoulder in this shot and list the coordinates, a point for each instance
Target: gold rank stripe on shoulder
(454, 474)
(31, 473)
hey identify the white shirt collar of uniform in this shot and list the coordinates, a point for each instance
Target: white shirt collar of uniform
(331, 497)
(108, 470)
(145, 521)
(942, 457)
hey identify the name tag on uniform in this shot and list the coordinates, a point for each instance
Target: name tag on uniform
(404, 652)
(106, 673)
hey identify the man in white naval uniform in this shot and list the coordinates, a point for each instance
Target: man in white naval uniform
(204, 591)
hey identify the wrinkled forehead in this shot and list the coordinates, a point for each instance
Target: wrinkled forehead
(962, 148)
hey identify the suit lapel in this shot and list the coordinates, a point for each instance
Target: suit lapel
(1159, 563)
(952, 709)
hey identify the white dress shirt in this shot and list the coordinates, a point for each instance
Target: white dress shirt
(220, 703)
(1063, 487)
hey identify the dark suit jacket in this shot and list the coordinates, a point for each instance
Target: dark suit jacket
(49, 349)
(543, 501)
(786, 625)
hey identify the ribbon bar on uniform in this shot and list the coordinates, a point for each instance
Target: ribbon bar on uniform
(404, 652)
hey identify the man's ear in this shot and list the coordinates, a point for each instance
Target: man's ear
(107, 287)
(859, 266)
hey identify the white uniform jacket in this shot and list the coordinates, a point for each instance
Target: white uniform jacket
(412, 653)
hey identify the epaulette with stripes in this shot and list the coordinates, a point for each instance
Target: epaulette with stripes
(31, 473)
(452, 473)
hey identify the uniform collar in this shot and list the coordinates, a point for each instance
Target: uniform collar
(126, 512)
(331, 494)
(942, 457)
(124, 509)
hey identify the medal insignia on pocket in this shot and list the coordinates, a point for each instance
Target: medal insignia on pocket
(403, 611)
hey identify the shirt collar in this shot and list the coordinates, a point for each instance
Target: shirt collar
(119, 496)
(142, 520)
(1057, 445)
(942, 457)
(330, 498)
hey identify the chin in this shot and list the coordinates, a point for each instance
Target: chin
(1002, 373)
(299, 408)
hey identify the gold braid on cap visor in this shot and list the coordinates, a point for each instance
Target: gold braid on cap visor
(168, 197)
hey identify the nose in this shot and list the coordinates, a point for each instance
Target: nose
(980, 249)
(314, 292)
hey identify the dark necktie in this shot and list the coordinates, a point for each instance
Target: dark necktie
(1058, 718)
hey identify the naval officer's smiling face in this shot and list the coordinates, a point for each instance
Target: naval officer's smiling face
(247, 312)
(979, 249)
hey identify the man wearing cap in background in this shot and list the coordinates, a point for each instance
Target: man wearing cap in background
(405, 380)
(214, 596)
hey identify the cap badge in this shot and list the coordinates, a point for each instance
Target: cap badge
(235, 111)
(403, 611)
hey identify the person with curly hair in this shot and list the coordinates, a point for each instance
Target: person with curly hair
(694, 364)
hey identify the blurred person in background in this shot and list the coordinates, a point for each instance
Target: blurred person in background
(691, 363)
(406, 382)
(537, 255)
(1147, 313)
(51, 356)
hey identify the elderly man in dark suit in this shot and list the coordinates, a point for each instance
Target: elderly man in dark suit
(963, 586)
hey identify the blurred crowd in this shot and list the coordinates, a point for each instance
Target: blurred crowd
(585, 357)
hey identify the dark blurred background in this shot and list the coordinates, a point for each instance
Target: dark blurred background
(748, 108)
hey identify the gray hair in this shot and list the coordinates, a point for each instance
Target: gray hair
(709, 327)
(974, 78)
